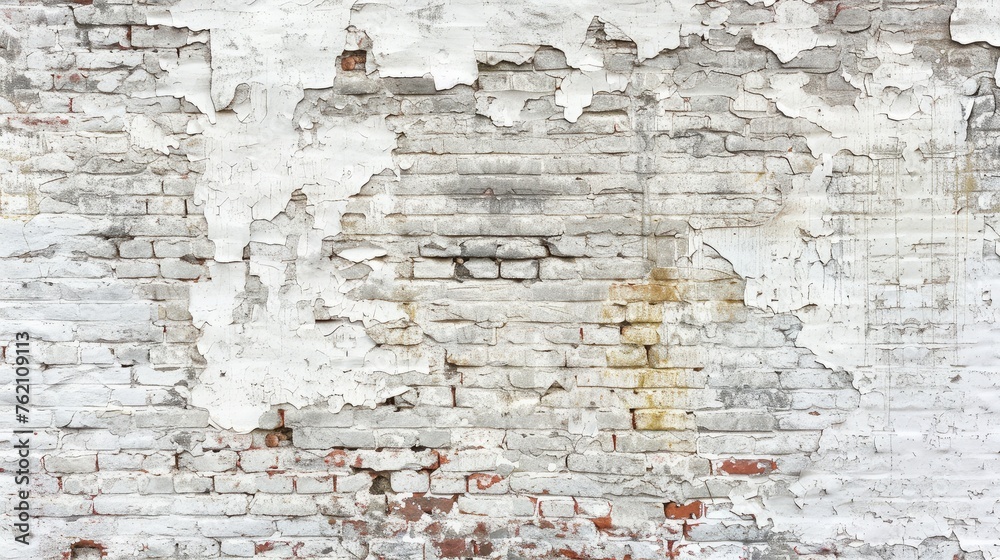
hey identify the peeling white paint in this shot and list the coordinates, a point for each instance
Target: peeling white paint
(256, 159)
(895, 289)
(577, 90)
(441, 39)
(977, 20)
(257, 146)
(145, 133)
(859, 282)
(504, 107)
(187, 77)
(250, 44)
(792, 31)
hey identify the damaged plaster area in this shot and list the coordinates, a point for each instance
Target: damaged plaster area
(544, 280)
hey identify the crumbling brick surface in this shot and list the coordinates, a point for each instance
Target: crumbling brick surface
(406, 280)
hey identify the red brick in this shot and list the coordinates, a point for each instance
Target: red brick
(454, 548)
(691, 510)
(747, 466)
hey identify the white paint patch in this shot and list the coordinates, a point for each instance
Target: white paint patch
(269, 43)
(792, 31)
(577, 90)
(503, 107)
(187, 77)
(146, 134)
(977, 20)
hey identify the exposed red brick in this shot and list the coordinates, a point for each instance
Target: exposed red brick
(602, 523)
(691, 510)
(354, 528)
(482, 548)
(337, 458)
(412, 509)
(351, 60)
(272, 440)
(407, 510)
(453, 548)
(263, 547)
(483, 480)
(482, 531)
(748, 466)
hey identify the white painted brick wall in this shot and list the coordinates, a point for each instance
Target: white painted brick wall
(706, 280)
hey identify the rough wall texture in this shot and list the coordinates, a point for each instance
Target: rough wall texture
(420, 280)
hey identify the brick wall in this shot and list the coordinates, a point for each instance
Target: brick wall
(551, 287)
